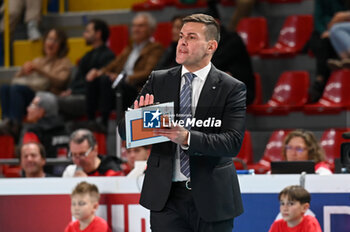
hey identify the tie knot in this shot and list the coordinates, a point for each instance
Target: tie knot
(189, 76)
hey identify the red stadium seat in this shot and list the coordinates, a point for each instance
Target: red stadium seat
(118, 38)
(246, 152)
(273, 152)
(335, 97)
(289, 94)
(228, 2)
(330, 141)
(295, 32)
(283, 1)
(254, 33)
(163, 33)
(149, 5)
(181, 4)
(7, 147)
(11, 170)
(258, 98)
(101, 142)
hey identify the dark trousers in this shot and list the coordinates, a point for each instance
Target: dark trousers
(100, 96)
(14, 101)
(180, 215)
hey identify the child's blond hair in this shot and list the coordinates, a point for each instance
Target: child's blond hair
(86, 188)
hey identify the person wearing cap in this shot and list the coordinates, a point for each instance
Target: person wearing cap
(45, 125)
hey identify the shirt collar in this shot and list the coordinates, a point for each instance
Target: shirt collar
(201, 73)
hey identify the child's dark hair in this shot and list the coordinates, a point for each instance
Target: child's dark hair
(296, 193)
(86, 188)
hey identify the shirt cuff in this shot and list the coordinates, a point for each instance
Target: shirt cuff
(185, 147)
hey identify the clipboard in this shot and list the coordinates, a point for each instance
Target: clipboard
(140, 123)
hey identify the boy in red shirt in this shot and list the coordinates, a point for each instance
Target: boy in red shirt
(294, 202)
(84, 203)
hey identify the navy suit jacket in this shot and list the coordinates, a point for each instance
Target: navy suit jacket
(214, 181)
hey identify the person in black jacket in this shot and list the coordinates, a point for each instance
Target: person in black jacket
(72, 102)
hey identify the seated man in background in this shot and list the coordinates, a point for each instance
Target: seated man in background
(87, 162)
(72, 102)
(44, 125)
(32, 159)
(135, 63)
(133, 155)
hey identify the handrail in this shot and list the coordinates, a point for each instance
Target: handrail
(49, 161)
(235, 159)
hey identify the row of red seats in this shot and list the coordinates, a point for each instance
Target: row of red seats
(182, 4)
(291, 94)
(119, 36)
(330, 141)
(294, 34)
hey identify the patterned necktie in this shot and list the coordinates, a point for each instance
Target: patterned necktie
(185, 114)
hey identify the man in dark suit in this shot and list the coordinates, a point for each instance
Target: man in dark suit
(191, 183)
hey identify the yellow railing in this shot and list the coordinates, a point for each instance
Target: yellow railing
(6, 35)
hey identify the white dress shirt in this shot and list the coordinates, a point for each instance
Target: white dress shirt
(197, 86)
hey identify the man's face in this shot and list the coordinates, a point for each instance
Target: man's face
(175, 30)
(193, 50)
(83, 207)
(136, 154)
(31, 161)
(89, 34)
(140, 30)
(34, 111)
(83, 155)
(292, 211)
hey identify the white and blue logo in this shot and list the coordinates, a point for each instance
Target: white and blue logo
(151, 118)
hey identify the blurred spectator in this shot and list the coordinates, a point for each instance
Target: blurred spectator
(84, 204)
(340, 39)
(48, 73)
(300, 145)
(325, 15)
(32, 158)
(294, 202)
(72, 102)
(46, 126)
(236, 62)
(133, 155)
(32, 15)
(87, 161)
(135, 63)
(168, 58)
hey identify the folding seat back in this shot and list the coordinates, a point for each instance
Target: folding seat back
(273, 150)
(246, 152)
(295, 32)
(331, 141)
(254, 33)
(291, 89)
(163, 33)
(336, 90)
(258, 89)
(7, 147)
(118, 38)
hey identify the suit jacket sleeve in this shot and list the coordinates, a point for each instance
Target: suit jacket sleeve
(228, 141)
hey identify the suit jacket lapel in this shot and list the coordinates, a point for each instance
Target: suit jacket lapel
(208, 94)
(174, 83)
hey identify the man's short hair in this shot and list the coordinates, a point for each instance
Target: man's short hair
(213, 28)
(48, 102)
(152, 22)
(86, 188)
(40, 146)
(80, 135)
(296, 193)
(100, 25)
